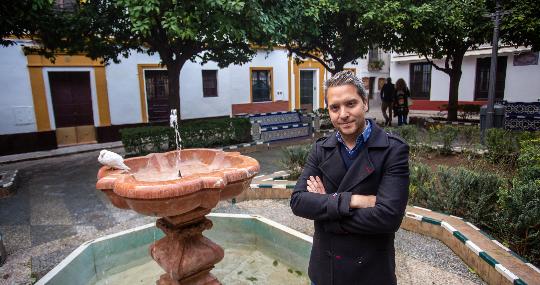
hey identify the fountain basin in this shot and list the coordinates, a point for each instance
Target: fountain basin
(152, 187)
(106, 260)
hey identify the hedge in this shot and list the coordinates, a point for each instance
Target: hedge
(194, 134)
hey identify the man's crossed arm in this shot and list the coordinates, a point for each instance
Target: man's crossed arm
(315, 185)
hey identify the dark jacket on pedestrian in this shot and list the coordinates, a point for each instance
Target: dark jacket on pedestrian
(387, 92)
(355, 246)
(401, 102)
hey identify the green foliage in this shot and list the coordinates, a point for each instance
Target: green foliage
(194, 134)
(502, 145)
(324, 117)
(444, 135)
(519, 219)
(522, 26)
(529, 160)
(294, 158)
(409, 133)
(469, 136)
(179, 31)
(22, 18)
(337, 32)
(459, 191)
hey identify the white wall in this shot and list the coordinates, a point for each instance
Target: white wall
(522, 82)
(123, 88)
(16, 105)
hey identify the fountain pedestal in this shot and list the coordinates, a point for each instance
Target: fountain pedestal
(185, 254)
(182, 203)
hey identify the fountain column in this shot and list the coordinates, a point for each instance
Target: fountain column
(185, 254)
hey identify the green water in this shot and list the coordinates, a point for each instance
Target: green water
(240, 266)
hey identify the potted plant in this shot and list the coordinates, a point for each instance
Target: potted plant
(375, 65)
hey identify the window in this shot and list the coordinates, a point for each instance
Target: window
(261, 84)
(483, 66)
(209, 78)
(420, 80)
(373, 54)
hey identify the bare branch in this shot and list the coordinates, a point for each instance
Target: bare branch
(445, 70)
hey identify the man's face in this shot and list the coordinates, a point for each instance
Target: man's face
(347, 110)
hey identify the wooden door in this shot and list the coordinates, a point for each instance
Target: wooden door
(71, 98)
(72, 105)
(307, 89)
(157, 95)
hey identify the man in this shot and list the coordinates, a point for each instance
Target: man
(355, 187)
(387, 97)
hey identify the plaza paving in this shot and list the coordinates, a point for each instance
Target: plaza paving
(56, 208)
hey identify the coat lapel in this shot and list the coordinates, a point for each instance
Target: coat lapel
(333, 167)
(362, 166)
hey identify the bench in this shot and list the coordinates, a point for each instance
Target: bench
(277, 126)
(521, 116)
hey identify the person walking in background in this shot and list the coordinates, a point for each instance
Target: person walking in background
(387, 97)
(401, 101)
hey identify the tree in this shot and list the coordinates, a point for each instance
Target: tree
(206, 30)
(522, 25)
(443, 29)
(337, 32)
(19, 19)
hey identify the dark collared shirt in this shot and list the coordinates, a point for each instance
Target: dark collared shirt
(348, 155)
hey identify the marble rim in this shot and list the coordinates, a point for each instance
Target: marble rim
(127, 186)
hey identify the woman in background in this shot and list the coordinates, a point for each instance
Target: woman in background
(401, 104)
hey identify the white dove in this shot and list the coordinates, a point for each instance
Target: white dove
(112, 159)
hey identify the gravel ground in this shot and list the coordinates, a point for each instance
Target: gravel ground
(419, 259)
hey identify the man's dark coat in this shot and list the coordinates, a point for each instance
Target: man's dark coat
(355, 246)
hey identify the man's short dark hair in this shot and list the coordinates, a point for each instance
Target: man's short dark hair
(345, 77)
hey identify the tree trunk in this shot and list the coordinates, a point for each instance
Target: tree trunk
(453, 94)
(338, 66)
(173, 74)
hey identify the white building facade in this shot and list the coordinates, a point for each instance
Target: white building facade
(518, 77)
(75, 100)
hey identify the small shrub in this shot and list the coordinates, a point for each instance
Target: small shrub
(519, 220)
(528, 162)
(502, 145)
(466, 111)
(459, 191)
(444, 135)
(294, 158)
(469, 135)
(324, 118)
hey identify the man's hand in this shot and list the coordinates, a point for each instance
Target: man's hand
(362, 201)
(315, 185)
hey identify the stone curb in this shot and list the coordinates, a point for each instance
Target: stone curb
(508, 274)
(8, 182)
(237, 146)
(272, 186)
(290, 126)
(431, 121)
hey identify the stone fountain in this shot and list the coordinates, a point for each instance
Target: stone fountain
(155, 187)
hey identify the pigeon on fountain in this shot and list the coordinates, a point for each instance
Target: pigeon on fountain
(112, 159)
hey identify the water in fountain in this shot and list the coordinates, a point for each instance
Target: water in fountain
(173, 121)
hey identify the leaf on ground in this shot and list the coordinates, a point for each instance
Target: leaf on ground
(239, 272)
(290, 270)
(275, 263)
(251, 278)
(299, 273)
